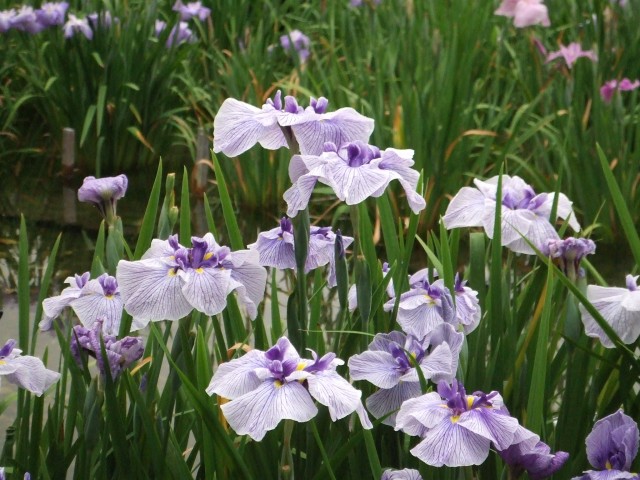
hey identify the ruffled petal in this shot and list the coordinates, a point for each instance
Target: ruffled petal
(465, 210)
(237, 377)
(31, 374)
(333, 391)
(355, 184)
(206, 289)
(379, 368)
(388, 400)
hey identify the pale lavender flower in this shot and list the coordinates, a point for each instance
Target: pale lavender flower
(404, 474)
(525, 12)
(104, 193)
(425, 306)
(534, 457)
(25, 371)
(53, 306)
(571, 53)
(276, 248)
(359, 3)
(389, 365)
(159, 27)
(191, 10)
(77, 25)
(2, 474)
(120, 353)
(610, 87)
(458, 429)
(296, 41)
(26, 20)
(611, 447)
(52, 13)
(525, 214)
(238, 126)
(6, 19)
(620, 307)
(569, 253)
(468, 312)
(180, 33)
(171, 280)
(103, 20)
(353, 290)
(267, 387)
(355, 172)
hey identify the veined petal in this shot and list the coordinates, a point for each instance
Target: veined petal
(418, 316)
(333, 391)
(487, 423)
(252, 278)
(92, 305)
(159, 249)
(388, 400)
(515, 223)
(237, 377)
(31, 374)
(238, 126)
(258, 411)
(151, 290)
(465, 210)
(624, 322)
(450, 444)
(206, 289)
(379, 368)
(298, 195)
(540, 230)
(355, 184)
(417, 415)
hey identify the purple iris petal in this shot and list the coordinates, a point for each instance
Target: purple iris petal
(78, 25)
(191, 10)
(468, 312)
(404, 474)
(571, 53)
(296, 41)
(52, 13)
(569, 252)
(267, 387)
(104, 193)
(120, 353)
(26, 20)
(53, 306)
(25, 371)
(180, 33)
(534, 457)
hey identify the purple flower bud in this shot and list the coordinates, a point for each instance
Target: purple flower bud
(568, 253)
(534, 457)
(104, 194)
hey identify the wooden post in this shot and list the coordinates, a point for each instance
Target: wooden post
(202, 162)
(68, 150)
(69, 195)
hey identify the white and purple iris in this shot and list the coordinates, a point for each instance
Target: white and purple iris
(534, 457)
(120, 353)
(458, 429)
(75, 25)
(390, 365)
(355, 172)
(171, 280)
(191, 10)
(267, 387)
(569, 253)
(524, 214)
(25, 371)
(468, 312)
(612, 446)
(425, 306)
(620, 307)
(104, 193)
(298, 42)
(404, 474)
(276, 248)
(238, 126)
(90, 300)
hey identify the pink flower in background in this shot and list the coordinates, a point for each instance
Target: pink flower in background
(571, 53)
(609, 88)
(525, 12)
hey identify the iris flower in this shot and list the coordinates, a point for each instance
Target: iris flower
(52, 13)
(425, 306)
(238, 126)
(524, 213)
(120, 353)
(458, 429)
(468, 312)
(525, 12)
(25, 371)
(568, 253)
(610, 87)
(404, 474)
(191, 10)
(103, 193)
(77, 25)
(171, 280)
(389, 365)
(26, 20)
(571, 53)
(267, 387)
(6, 19)
(534, 457)
(276, 248)
(612, 446)
(620, 307)
(298, 42)
(90, 300)
(355, 172)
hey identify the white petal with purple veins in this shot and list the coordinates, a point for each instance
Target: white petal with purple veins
(465, 210)
(379, 368)
(355, 184)
(333, 391)
(258, 411)
(237, 377)
(29, 373)
(540, 230)
(388, 400)
(416, 414)
(497, 428)
(206, 289)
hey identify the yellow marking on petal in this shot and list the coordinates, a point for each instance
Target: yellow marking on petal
(608, 465)
(429, 299)
(109, 297)
(208, 255)
(300, 366)
(2, 362)
(278, 383)
(470, 399)
(171, 273)
(455, 419)
(200, 270)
